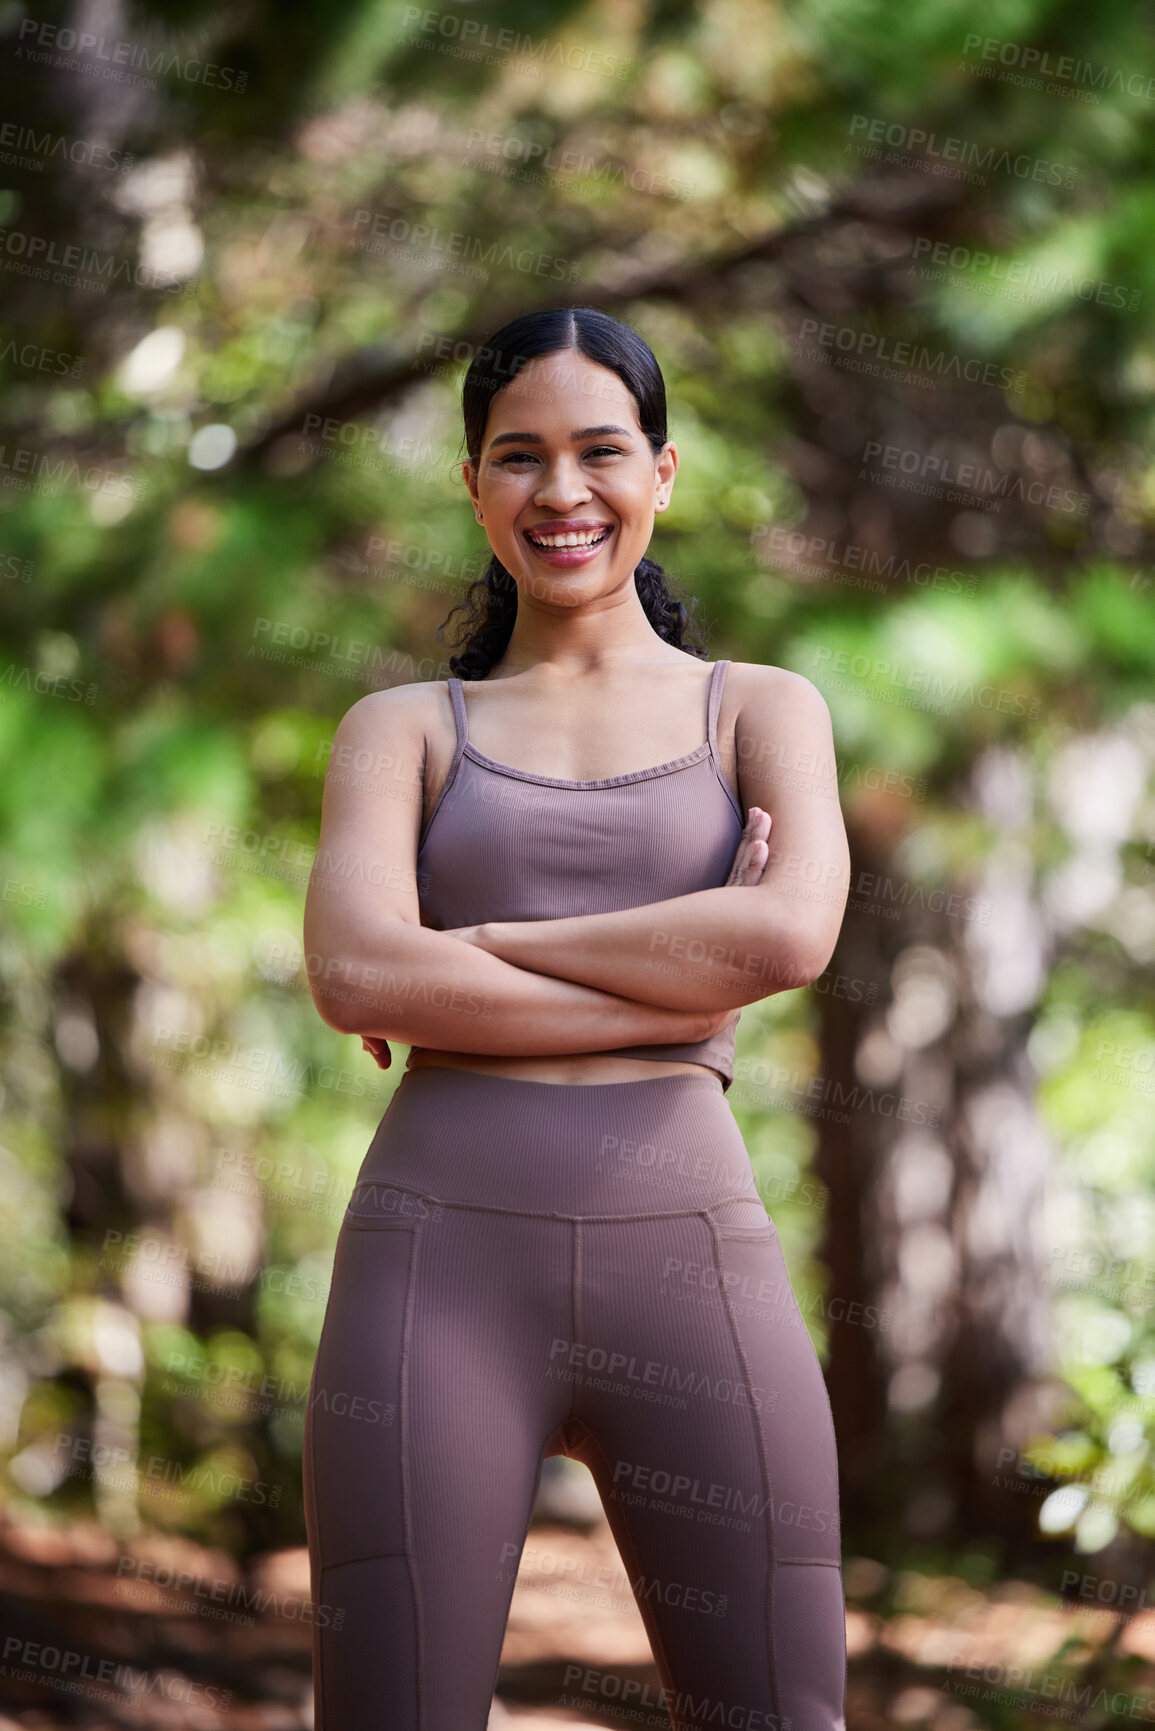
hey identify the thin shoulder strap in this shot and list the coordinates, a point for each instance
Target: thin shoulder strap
(451, 777)
(717, 680)
(459, 718)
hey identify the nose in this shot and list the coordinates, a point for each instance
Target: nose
(562, 484)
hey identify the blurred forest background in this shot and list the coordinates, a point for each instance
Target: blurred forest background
(897, 264)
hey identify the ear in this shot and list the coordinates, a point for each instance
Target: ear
(665, 468)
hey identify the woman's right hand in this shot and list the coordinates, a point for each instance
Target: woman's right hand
(720, 1019)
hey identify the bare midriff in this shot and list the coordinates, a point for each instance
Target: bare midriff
(572, 1069)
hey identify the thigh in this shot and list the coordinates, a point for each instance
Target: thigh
(428, 1410)
(365, 1608)
(708, 1430)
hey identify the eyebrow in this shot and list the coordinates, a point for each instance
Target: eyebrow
(536, 438)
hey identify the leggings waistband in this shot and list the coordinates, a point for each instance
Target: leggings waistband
(662, 1145)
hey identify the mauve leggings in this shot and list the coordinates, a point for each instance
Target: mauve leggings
(532, 1268)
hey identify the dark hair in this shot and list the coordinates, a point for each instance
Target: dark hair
(490, 604)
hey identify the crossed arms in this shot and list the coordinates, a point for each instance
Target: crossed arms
(666, 972)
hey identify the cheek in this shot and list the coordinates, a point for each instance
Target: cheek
(504, 486)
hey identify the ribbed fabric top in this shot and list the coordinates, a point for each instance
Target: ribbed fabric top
(507, 844)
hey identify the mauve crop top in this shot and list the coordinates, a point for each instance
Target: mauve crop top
(506, 844)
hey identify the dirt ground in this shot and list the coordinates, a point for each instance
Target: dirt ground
(160, 1632)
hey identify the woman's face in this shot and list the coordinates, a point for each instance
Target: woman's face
(563, 456)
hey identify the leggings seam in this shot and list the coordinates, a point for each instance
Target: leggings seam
(369, 1557)
(764, 1464)
(406, 1507)
(553, 1214)
(320, 1667)
(575, 1298)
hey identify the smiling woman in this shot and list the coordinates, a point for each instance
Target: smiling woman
(574, 911)
(592, 363)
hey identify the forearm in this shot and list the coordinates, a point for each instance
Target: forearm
(714, 949)
(420, 987)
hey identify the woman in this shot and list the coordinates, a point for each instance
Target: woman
(555, 1244)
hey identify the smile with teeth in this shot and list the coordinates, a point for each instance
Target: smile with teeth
(572, 538)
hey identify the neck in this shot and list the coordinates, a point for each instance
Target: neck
(606, 632)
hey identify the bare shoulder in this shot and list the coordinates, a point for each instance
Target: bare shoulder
(405, 710)
(758, 684)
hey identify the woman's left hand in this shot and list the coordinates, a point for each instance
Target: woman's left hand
(753, 849)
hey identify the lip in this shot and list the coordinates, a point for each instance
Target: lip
(564, 557)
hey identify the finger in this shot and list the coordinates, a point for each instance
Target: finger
(747, 865)
(755, 863)
(750, 860)
(741, 865)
